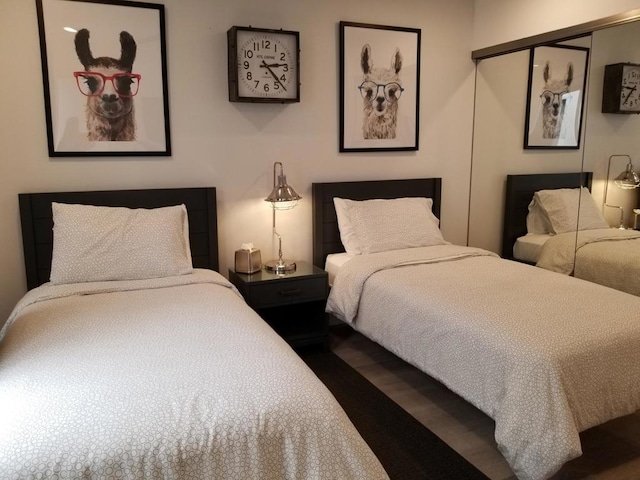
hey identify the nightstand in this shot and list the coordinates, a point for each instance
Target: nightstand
(292, 304)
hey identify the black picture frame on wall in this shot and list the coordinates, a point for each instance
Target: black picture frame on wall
(379, 87)
(555, 96)
(104, 71)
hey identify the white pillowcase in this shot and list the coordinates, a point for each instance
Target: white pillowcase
(370, 226)
(93, 244)
(561, 209)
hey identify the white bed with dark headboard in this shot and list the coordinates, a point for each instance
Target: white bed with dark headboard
(131, 363)
(542, 227)
(545, 355)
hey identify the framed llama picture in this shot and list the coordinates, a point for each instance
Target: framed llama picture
(104, 72)
(379, 87)
(555, 96)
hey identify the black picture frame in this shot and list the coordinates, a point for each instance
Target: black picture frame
(555, 96)
(131, 115)
(392, 57)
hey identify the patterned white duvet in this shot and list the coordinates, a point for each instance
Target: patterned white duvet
(545, 355)
(606, 256)
(171, 378)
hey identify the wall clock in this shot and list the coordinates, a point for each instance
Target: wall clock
(621, 89)
(264, 65)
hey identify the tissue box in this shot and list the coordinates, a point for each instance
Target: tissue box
(248, 260)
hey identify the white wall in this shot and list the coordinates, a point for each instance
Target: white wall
(500, 21)
(233, 146)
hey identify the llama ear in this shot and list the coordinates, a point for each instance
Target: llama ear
(569, 78)
(546, 73)
(128, 50)
(82, 48)
(365, 59)
(396, 61)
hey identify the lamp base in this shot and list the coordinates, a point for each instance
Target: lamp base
(280, 267)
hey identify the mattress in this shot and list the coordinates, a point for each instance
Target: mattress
(334, 262)
(165, 378)
(528, 248)
(545, 355)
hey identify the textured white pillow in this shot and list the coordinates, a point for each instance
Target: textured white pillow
(371, 226)
(561, 208)
(92, 244)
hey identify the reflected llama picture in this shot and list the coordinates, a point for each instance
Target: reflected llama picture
(555, 96)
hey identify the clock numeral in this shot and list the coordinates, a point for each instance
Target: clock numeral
(285, 67)
(248, 54)
(245, 65)
(266, 87)
(283, 78)
(257, 83)
(262, 44)
(249, 76)
(283, 57)
(276, 86)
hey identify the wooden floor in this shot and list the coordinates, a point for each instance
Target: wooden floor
(611, 451)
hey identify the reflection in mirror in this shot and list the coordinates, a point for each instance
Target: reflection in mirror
(501, 106)
(612, 152)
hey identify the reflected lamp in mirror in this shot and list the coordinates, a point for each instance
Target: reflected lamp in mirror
(627, 180)
(282, 197)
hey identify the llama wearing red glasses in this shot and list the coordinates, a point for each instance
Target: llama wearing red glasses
(554, 99)
(109, 87)
(380, 90)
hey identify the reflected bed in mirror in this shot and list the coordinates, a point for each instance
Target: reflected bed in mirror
(594, 251)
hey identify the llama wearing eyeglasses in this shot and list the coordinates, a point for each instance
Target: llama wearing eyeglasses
(380, 91)
(553, 103)
(106, 82)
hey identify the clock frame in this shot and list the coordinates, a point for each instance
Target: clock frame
(621, 88)
(250, 77)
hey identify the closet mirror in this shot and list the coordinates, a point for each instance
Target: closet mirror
(608, 141)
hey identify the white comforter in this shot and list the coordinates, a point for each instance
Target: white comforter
(608, 256)
(172, 378)
(545, 355)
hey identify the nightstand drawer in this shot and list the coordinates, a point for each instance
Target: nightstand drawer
(287, 292)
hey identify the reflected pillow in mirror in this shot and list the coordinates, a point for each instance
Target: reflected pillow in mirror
(94, 244)
(561, 208)
(370, 226)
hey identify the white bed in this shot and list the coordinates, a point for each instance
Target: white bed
(546, 356)
(166, 377)
(593, 251)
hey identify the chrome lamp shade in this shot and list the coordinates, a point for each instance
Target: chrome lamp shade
(282, 197)
(627, 180)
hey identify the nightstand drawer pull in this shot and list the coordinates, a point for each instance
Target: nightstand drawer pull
(292, 292)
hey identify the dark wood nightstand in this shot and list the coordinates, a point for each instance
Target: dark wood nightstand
(292, 304)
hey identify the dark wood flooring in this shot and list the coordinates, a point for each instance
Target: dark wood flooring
(611, 451)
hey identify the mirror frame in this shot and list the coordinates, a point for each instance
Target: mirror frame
(562, 34)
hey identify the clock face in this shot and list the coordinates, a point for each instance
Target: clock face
(630, 91)
(267, 64)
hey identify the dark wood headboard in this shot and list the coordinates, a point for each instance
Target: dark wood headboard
(326, 235)
(520, 190)
(37, 222)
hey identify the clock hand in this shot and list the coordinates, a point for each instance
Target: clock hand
(273, 65)
(264, 64)
(631, 90)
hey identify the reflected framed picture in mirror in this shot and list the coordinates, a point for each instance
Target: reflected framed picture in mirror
(555, 96)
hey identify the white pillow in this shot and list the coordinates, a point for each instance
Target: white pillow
(561, 208)
(92, 244)
(371, 226)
